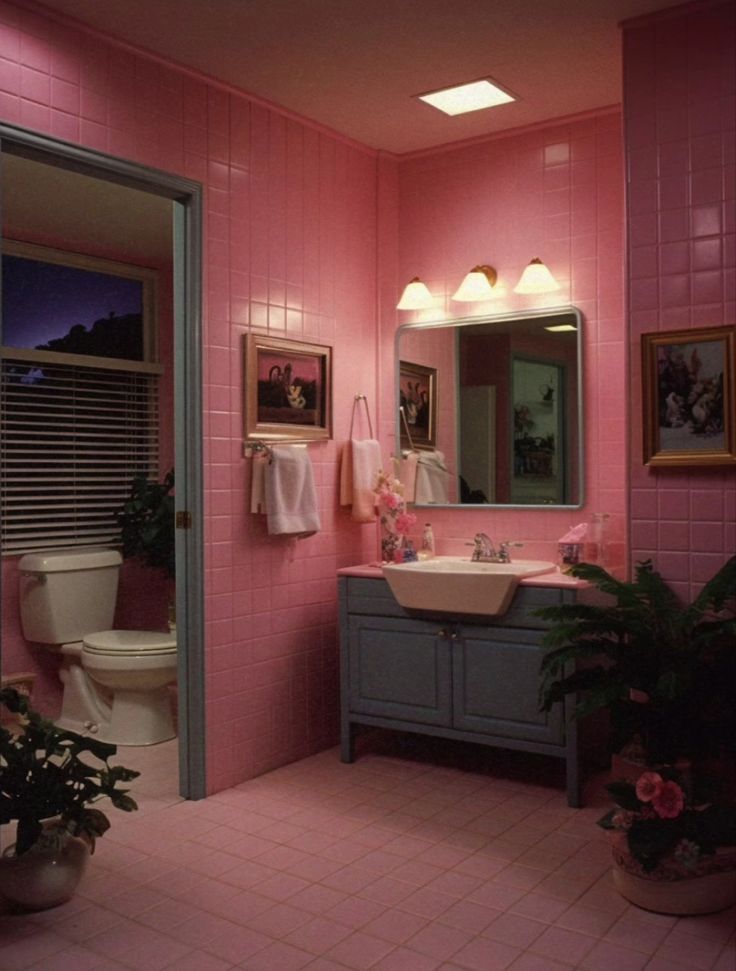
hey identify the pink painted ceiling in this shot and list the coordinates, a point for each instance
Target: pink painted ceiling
(356, 66)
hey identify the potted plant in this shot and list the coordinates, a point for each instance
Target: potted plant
(147, 527)
(664, 672)
(146, 523)
(48, 789)
(666, 675)
(673, 843)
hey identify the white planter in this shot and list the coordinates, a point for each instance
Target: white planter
(44, 876)
(704, 894)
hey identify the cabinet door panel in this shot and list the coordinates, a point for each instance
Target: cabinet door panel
(496, 685)
(399, 669)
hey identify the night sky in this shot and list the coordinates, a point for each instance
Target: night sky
(41, 301)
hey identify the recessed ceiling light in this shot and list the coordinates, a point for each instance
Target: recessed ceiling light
(467, 97)
(557, 328)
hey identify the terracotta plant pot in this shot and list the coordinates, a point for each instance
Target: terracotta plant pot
(44, 876)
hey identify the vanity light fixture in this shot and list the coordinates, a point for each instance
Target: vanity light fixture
(416, 296)
(462, 98)
(536, 278)
(477, 285)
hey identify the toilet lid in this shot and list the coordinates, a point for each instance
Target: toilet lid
(129, 642)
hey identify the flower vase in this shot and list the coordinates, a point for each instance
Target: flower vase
(390, 543)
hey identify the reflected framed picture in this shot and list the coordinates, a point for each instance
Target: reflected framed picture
(417, 405)
(688, 397)
(288, 390)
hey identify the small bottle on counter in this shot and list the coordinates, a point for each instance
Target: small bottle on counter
(428, 541)
(410, 554)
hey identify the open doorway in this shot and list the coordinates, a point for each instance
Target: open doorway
(62, 204)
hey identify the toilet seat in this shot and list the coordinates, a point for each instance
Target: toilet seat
(124, 643)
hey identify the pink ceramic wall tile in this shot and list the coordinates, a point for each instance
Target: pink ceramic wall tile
(680, 58)
(282, 213)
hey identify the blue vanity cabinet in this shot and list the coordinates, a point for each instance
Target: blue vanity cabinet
(450, 677)
(496, 685)
(399, 669)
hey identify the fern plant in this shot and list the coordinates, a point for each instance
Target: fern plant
(665, 672)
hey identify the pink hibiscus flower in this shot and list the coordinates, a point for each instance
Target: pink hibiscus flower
(669, 802)
(648, 785)
(391, 500)
(405, 521)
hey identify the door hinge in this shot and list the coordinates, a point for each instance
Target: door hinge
(184, 519)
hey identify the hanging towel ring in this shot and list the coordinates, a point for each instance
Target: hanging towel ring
(356, 401)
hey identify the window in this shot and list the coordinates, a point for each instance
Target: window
(79, 417)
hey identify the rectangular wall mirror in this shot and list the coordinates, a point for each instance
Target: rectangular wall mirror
(505, 405)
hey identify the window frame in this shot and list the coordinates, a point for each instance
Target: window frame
(148, 365)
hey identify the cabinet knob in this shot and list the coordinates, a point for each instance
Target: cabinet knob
(454, 636)
(442, 632)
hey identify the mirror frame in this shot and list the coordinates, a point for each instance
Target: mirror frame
(457, 322)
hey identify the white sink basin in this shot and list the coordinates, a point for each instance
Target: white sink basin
(451, 584)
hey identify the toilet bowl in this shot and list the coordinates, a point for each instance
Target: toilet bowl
(136, 667)
(115, 681)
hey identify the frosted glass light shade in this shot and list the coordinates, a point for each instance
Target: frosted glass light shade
(477, 285)
(467, 97)
(416, 296)
(536, 278)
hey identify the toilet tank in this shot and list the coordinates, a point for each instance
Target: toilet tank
(65, 594)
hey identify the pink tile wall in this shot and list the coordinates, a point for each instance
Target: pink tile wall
(289, 250)
(556, 192)
(680, 110)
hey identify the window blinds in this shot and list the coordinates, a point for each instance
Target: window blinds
(73, 439)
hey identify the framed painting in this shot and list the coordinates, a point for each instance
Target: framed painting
(418, 405)
(288, 390)
(688, 397)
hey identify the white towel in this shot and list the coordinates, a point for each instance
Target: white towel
(361, 463)
(291, 498)
(432, 478)
(258, 483)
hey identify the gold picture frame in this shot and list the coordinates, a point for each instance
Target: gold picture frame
(288, 390)
(688, 397)
(418, 401)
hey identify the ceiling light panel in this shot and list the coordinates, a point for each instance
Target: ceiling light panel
(467, 97)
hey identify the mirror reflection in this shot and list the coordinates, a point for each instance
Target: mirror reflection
(491, 408)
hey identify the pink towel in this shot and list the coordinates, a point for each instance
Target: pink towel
(361, 462)
(408, 475)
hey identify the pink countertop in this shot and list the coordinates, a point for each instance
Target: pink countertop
(374, 571)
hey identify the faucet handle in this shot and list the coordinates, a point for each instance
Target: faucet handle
(505, 547)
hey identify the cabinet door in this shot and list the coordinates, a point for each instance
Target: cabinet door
(399, 669)
(496, 685)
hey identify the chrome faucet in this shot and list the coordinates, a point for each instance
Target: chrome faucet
(483, 549)
(485, 552)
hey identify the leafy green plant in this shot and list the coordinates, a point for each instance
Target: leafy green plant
(43, 776)
(665, 818)
(147, 523)
(665, 672)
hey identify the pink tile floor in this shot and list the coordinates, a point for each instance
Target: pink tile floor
(390, 864)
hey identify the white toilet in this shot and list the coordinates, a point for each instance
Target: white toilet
(114, 680)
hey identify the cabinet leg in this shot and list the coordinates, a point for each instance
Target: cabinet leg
(347, 743)
(572, 774)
